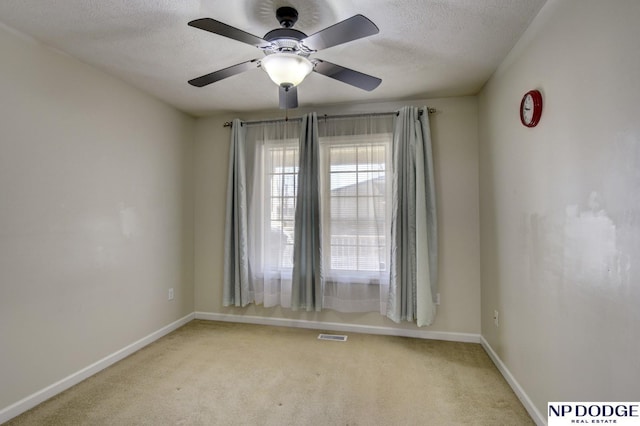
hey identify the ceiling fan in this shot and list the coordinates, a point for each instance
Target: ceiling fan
(287, 53)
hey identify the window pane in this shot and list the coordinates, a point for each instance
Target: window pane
(371, 240)
(371, 183)
(343, 158)
(344, 208)
(276, 158)
(275, 209)
(290, 162)
(281, 169)
(371, 208)
(276, 185)
(343, 229)
(371, 259)
(344, 257)
(289, 185)
(371, 157)
(356, 202)
(343, 183)
(288, 208)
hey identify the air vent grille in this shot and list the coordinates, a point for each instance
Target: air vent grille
(334, 337)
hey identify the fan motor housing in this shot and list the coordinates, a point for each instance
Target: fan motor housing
(286, 33)
(286, 40)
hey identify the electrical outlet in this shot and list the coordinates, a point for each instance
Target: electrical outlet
(496, 318)
(170, 296)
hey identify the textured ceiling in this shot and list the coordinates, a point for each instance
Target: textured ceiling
(425, 48)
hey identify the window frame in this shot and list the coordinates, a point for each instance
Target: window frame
(283, 145)
(326, 143)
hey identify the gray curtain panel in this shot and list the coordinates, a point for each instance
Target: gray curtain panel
(413, 272)
(236, 261)
(307, 279)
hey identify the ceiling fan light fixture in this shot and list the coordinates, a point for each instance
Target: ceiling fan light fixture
(286, 69)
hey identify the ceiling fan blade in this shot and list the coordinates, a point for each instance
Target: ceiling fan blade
(348, 30)
(288, 97)
(346, 75)
(225, 30)
(223, 73)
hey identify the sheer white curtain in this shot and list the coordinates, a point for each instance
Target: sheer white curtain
(272, 180)
(355, 183)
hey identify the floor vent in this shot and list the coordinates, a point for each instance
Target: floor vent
(334, 337)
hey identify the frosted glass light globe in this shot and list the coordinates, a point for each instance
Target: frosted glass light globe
(286, 69)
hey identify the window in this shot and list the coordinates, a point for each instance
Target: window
(355, 203)
(281, 166)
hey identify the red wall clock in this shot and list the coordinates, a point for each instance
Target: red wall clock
(531, 108)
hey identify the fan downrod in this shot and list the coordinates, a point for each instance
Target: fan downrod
(287, 16)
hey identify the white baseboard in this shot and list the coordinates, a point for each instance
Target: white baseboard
(42, 395)
(341, 327)
(535, 414)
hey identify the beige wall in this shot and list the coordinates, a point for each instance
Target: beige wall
(560, 205)
(454, 131)
(96, 216)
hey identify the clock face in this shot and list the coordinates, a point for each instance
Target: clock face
(527, 109)
(531, 108)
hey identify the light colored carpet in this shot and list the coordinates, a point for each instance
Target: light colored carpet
(211, 373)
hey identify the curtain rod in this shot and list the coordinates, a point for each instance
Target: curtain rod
(275, 120)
